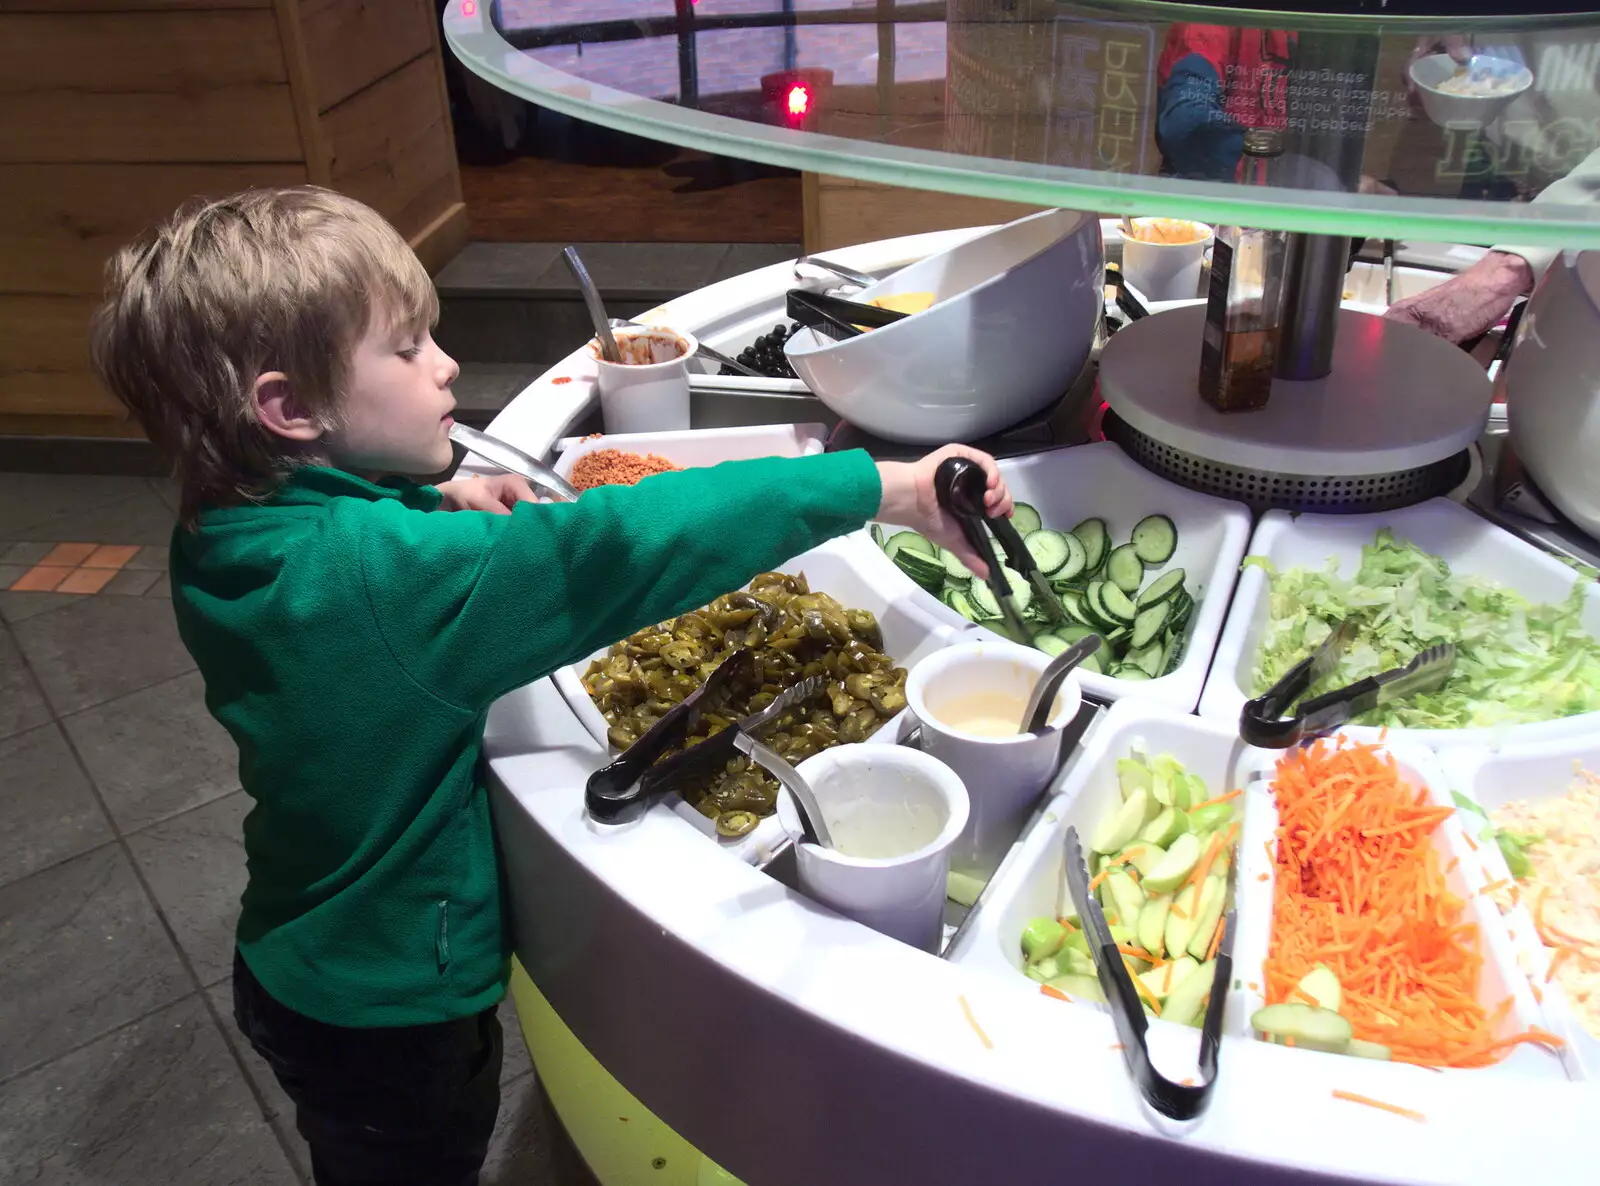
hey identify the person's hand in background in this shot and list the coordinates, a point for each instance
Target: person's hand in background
(1470, 303)
(496, 495)
(1457, 45)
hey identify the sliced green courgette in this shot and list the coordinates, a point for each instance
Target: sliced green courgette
(1117, 604)
(910, 539)
(1148, 624)
(1049, 550)
(1155, 539)
(1124, 569)
(1024, 518)
(1164, 586)
(1049, 644)
(953, 565)
(1096, 541)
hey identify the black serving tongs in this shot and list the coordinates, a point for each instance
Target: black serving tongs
(1176, 1100)
(836, 316)
(615, 793)
(1262, 721)
(960, 486)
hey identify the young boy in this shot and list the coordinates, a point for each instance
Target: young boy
(275, 346)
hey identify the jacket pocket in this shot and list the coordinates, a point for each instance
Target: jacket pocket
(441, 933)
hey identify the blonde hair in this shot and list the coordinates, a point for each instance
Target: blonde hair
(222, 292)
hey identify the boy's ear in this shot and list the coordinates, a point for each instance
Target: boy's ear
(280, 412)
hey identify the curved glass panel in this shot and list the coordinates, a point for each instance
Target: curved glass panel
(1460, 128)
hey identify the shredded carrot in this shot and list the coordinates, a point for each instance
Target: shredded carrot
(1253, 986)
(1099, 877)
(1055, 992)
(973, 1022)
(1137, 953)
(1179, 911)
(1289, 1041)
(1212, 802)
(1133, 874)
(1150, 997)
(1453, 865)
(1263, 877)
(1494, 885)
(1562, 955)
(1538, 993)
(1471, 843)
(1198, 877)
(1127, 855)
(1166, 981)
(1267, 844)
(1216, 938)
(1185, 1082)
(1359, 888)
(1368, 1101)
(1116, 1046)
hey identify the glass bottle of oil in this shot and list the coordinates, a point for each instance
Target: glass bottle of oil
(1244, 300)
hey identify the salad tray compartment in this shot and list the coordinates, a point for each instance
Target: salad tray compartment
(842, 569)
(1471, 547)
(1067, 488)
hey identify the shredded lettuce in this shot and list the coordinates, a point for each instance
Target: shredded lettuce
(1515, 662)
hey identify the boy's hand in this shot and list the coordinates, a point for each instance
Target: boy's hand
(909, 500)
(496, 495)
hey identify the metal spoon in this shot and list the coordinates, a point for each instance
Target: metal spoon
(705, 351)
(812, 826)
(839, 270)
(597, 308)
(513, 460)
(1044, 692)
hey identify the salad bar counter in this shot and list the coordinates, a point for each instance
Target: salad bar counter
(1300, 881)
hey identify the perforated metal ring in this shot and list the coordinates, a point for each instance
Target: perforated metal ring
(1263, 490)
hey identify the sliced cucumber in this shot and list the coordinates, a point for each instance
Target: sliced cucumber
(1117, 604)
(1146, 658)
(1124, 569)
(877, 535)
(1072, 602)
(953, 566)
(1092, 663)
(1073, 633)
(1163, 587)
(1155, 539)
(1096, 608)
(962, 604)
(1024, 518)
(1113, 638)
(1132, 674)
(1310, 1027)
(1096, 540)
(910, 539)
(983, 598)
(1148, 624)
(1049, 549)
(1077, 565)
(1050, 644)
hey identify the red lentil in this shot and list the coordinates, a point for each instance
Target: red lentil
(613, 467)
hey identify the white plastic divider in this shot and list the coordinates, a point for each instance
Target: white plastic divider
(1540, 770)
(1502, 976)
(839, 568)
(1067, 486)
(701, 447)
(1469, 543)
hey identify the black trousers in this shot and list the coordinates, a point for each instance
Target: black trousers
(396, 1106)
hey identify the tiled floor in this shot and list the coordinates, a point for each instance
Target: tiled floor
(120, 871)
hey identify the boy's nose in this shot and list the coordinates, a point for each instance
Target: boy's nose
(449, 368)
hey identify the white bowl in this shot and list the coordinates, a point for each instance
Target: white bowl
(1552, 385)
(1013, 320)
(1461, 111)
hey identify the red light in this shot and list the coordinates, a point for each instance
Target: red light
(798, 100)
(469, 7)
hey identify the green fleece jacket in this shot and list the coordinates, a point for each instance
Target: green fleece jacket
(352, 637)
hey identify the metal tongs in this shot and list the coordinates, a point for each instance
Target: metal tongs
(1263, 724)
(1176, 1100)
(835, 316)
(620, 791)
(960, 486)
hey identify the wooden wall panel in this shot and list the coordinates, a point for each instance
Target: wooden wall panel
(142, 86)
(390, 146)
(126, 5)
(59, 223)
(351, 44)
(44, 358)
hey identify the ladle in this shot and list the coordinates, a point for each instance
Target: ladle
(597, 309)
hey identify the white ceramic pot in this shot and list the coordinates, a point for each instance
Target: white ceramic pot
(1004, 776)
(882, 798)
(650, 392)
(1464, 111)
(1012, 322)
(1552, 384)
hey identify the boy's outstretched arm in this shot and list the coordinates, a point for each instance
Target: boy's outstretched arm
(472, 605)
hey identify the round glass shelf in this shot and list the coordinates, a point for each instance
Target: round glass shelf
(1121, 106)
